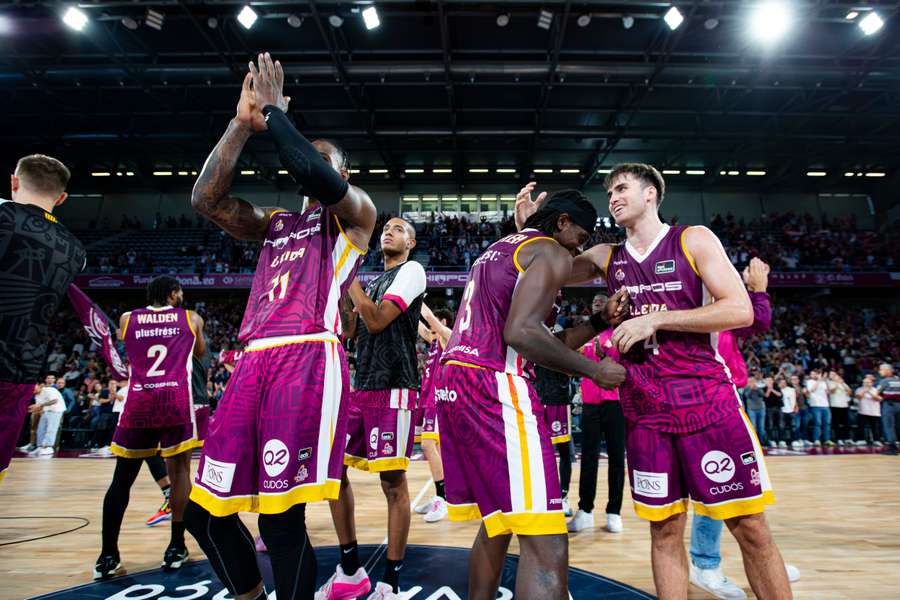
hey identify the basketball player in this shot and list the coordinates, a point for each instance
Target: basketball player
(39, 258)
(500, 464)
(437, 334)
(380, 428)
(162, 341)
(686, 435)
(277, 439)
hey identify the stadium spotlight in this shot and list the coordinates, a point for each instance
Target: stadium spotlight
(545, 18)
(295, 21)
(627, 21)
(770, 21)
(502, 19)
(129, 23)
(247, 17)
(871, 23)
(370, 18)
(75, 19)
(584, 20)
(711, 23)
(212, 22)
(335, 21)
(673, 18)
(851, 15)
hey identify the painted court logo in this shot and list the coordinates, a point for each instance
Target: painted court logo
(429, 573)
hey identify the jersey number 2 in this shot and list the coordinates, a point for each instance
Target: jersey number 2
(157, 351)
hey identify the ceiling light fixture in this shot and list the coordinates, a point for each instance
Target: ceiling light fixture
(502, 19)
(584, 20)
(545, 19)
(673, 18)
(75, 19)
(370, 18)
(871, 23)
(154, 19)
(627, 21)
(770, 21)
(247, 17)
(295, 21)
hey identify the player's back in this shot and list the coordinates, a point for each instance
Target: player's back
(676, 380)
(477, 336)
(305, 266)
(160, 344)
(39, 258)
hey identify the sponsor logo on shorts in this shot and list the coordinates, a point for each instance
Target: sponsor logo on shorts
(555, 501)
(275, 457)
(717, 466)
(748, 458)
(664, 266)
(754, 477)
(556, 426)
(737, 486)
(302, 474)
(373, 439)
(445, 395)
(652, 485)
(388, 449)
(217, 475)
(275, 484)
(387, 435)
(304, 454)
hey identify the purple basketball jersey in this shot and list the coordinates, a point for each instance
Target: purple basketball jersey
(477, 336)
(676, 381)
(305, 266)
(160, 343)
(431, 365)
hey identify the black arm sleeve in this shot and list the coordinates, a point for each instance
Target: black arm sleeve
(303, 161)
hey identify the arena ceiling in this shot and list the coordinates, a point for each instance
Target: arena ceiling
(441, 85)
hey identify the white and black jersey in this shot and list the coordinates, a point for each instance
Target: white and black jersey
(387, 360)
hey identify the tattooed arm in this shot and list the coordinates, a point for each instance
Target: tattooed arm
(348, 317)
(211, 197)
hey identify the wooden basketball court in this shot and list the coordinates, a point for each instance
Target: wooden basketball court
(837, 519)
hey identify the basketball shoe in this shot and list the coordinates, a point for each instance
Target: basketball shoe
(163, 514)
(344, 587)
(384, 591)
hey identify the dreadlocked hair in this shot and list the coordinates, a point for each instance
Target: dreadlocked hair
(159, 289)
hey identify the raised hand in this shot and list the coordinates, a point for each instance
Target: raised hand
(525, 206)
(268, 82)
(248, 111)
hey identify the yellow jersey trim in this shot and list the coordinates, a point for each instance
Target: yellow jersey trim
(187, 313)
(291, 343)
(612, 249)
(127, 321)
(464, 364)
(346, 237)
(525, 243)
(184, 446)
(523, 442)
(688, 254)
(129, 453)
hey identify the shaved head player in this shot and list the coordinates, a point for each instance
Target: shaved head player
(39, 258)
(277, 441)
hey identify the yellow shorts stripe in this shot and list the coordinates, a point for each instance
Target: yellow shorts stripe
(3, 473)
(266, 503)
(463, 512)
(735, 508)
(523, 442)
(560, 439)
(660, 513)
(431, 435)
(548, 523)
(131, 453)
(379, 465)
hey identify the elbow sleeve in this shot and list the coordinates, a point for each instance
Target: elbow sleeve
(303, 161)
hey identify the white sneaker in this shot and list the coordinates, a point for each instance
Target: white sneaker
(614, 523)
(46, 452)
(581, 521)
(343, 587)
(782, 444)
(567, 508)
(817, 444)
(807, 444)
(424, 508)
(793, 572)
(26, 448)
(861, 443)
(384, 592)
(716, 583)
(878, 445)
(773, 444)
(796, 444)
(438, 510)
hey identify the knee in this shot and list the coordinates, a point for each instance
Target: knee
(393, 484)
(289, 526)
(196, 518)
(751, 532)
(668, 532)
